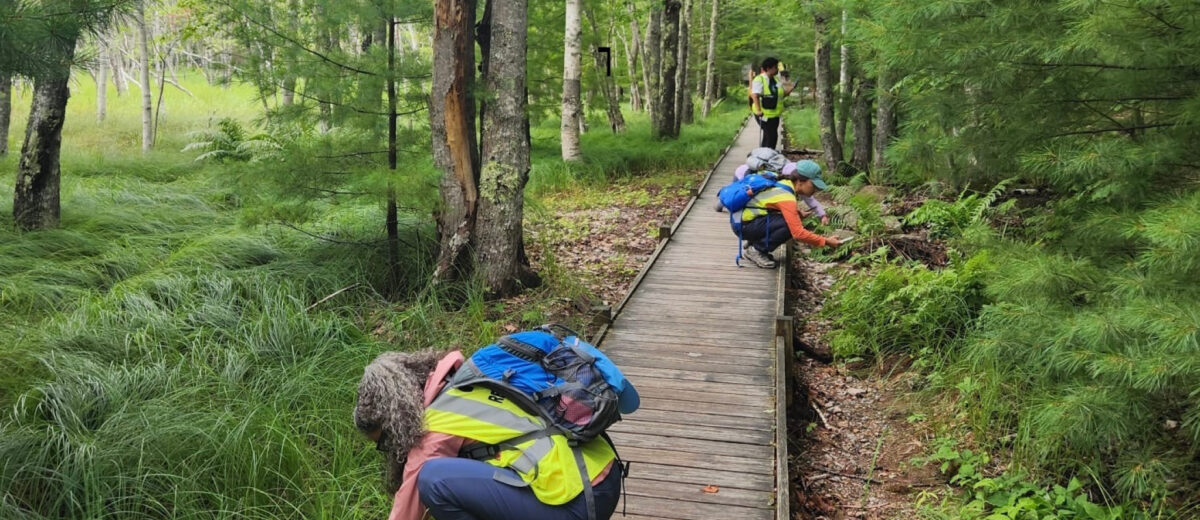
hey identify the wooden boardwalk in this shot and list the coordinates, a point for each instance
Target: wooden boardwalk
(696, 335)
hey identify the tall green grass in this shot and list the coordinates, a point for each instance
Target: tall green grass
(165, 353)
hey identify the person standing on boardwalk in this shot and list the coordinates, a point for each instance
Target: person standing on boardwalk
(773, 217)
(766, 99)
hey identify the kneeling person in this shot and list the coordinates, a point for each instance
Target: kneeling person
(772, 216)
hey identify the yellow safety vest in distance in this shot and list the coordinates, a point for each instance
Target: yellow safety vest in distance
(767, 95)
(546, 464)
(757, 206)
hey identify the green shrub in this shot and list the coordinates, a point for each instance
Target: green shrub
(1011, 494)
(906, 308)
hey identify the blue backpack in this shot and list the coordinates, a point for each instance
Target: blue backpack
(737, 196)
(552, 373)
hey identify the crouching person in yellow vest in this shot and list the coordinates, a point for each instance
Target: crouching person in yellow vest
(472, 453)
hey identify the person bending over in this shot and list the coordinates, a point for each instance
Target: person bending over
(772, 217)
(422, 428)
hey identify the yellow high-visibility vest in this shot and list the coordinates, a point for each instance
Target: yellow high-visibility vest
(768, 95)
(546, 463)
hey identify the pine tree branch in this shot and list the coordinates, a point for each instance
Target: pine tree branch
(297, 43)
(1095, 65)
(1106, 130)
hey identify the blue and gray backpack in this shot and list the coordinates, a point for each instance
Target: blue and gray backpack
(552, 373)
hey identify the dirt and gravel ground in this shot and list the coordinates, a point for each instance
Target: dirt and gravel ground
(853, 432)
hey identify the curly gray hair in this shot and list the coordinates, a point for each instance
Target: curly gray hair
(391, 400)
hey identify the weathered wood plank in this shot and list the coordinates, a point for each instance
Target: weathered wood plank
(702, 386)
(659, 442)
(695, 493)
(672, 509)
(694, 356)
(692, 375)
(672, 394)
(685, 347)
(695, 431)
(703, 419)
(756, 481)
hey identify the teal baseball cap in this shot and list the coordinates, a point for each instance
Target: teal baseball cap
(809, 170)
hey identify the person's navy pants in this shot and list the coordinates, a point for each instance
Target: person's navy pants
(464, 489)
(766, 233)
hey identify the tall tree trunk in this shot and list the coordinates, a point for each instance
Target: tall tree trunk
(710, 80)
(654, 48)
(631, 61)
(824, 94)
(452, 127)
(860, 156)
(607, 84)
(144, 76)
(642, 48)
(102, 83)
(118, 71)
(36, 198)
(885, 120)
(845, 86)
(6, 83)
(571, 85)
(681, 73)
(499, 239)
(289, 91)
(391, 222)
(670, 54)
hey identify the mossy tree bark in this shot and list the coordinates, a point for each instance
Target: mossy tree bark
(36, 198)
(499, 240)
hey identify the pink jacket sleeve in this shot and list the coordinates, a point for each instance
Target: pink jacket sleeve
(406, 505)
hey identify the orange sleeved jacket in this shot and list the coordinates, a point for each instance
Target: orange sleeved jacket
(780, 200)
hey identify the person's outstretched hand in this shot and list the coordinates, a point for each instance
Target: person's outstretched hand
(832, 241)
(824, 220)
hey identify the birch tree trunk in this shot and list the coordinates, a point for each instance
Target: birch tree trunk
(654, 47)
(710, 83)
(681, 74)
(860, 156)
(845, 87)
(36, 197)
(885, 119)
(5, 111)
(452, 127)
(144, 76)
(631, 61)
(670, 53)
(102, 83)
(117, 62)
(499, 239)
(571, 84)
(824, 94)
